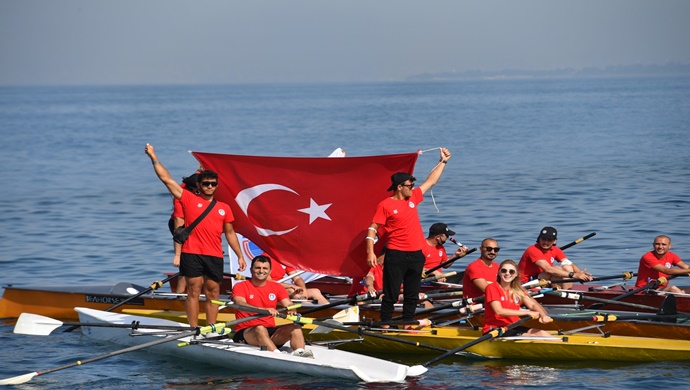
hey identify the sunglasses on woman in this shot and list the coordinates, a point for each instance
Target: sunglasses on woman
(508, 271)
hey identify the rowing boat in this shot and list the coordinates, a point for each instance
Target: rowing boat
(580, 346)
(240, 357)
(60, 301)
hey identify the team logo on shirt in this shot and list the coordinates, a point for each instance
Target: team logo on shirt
(199, 205)
(503, 299)
(272, 296)
(668, 265)
(516, 299)
(221, 212)
(440, 253)
(251, 296)
(395, 211)
(411, 205)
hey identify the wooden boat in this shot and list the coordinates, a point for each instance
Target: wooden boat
(580, 346)
(241, 357)
(60, 301)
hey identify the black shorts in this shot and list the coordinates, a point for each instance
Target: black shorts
(239, 336)
(193, 266)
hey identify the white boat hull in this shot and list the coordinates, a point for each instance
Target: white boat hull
(330, 363)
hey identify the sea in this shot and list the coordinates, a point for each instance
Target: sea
(82, 205)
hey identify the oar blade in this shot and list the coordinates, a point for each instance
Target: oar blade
(18, 380)
(35, 324)
(320, 329)
(416, 370)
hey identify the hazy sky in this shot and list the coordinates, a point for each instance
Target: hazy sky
(226, 41)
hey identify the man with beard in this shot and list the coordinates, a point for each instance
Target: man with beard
(481, 272)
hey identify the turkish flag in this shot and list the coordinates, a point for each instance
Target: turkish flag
(312, 213)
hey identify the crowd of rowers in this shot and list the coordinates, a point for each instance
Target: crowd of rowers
(500, 283)
(198, 253)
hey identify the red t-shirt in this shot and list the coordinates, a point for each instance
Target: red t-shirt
(494, 292)
(375, 271)
(433, 255)
(477, 270)
(267, 296)
(205, 239)
(527, 267)
(645, 273)
(400, 217)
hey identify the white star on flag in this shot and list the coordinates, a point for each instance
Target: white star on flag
(316, 211)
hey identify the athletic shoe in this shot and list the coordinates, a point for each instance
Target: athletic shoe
(305, 353)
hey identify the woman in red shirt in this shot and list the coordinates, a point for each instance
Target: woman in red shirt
(503, 301)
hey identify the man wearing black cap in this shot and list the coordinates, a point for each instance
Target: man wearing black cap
(434, 252)
(538, 261)
(404, 258)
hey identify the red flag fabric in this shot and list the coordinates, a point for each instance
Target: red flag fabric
(312, 213)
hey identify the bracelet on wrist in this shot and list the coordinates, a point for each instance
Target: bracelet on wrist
(155, 162)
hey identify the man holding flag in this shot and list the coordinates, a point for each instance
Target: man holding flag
(404, 259)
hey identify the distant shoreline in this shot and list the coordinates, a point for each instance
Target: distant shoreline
(668, 70)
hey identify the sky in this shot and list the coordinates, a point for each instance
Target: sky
(98, 42)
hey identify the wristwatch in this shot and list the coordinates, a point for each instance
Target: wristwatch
(570, 275)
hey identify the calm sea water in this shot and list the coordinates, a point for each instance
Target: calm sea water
(81, 204)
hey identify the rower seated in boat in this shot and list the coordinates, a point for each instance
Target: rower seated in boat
(538, 261)
(503, 301)
(661, 262)
(298, 288)
(265, 294)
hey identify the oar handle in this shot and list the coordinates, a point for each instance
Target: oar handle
(579, 240)
(436, 277)
(624, 276)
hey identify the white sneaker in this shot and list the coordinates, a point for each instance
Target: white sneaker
(305, 353)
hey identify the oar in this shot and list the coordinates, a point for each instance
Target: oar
(579, 240)
(601, 301)
(349, 301)
(624, 275)
(490, 335)
(27, 377)
(304, 320)
(154, 286)
(433, 278)
(450, 261)
(38, 325)
(652, 284)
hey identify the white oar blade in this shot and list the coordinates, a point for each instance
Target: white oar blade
(35, 324)
(416, 370)
(351, 314)
(18, 380)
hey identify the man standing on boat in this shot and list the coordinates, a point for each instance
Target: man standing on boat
(481, 272)
(201, 262)
(404, 259)
(265, 294)
(434, 252)
(659, 263)
(537, 262)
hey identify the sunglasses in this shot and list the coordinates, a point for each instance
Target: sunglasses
(209, 183)
(492, 249)
(411, 185)
(508, 271)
